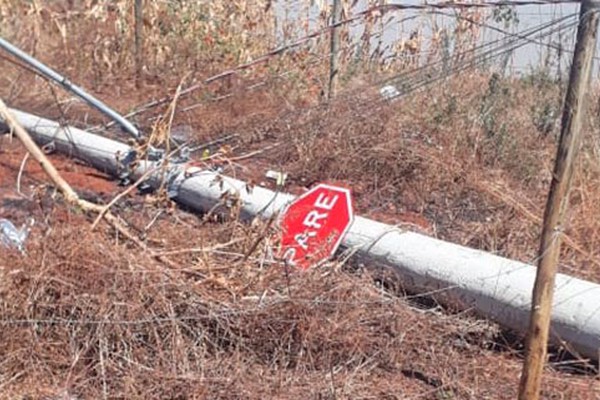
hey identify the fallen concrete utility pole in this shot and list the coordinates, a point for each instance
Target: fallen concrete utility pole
(494, 287)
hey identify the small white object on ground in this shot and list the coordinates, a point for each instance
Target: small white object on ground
(389, 92)
(279, 177)
(12, 237)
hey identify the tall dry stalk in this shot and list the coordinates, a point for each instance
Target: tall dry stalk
(139, 41)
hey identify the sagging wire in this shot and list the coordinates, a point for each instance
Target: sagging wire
(471, 64)
(426, 79)
(499, 47)
(478, 56)
(503, 43)
(556, 47)
(383, 8)
(315, 60)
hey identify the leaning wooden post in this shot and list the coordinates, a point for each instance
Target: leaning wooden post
(139, 41)
(334, 48)
(554, 217)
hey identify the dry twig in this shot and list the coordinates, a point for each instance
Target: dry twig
(124, 193)
(67, 191)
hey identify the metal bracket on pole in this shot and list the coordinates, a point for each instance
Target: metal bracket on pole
(65, 83)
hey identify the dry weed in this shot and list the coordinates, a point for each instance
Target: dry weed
(95, 319)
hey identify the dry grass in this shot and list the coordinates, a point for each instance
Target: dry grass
(95, 319)
(467, 160)
(479, 176)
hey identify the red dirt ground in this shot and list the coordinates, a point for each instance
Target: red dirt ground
(80, 176)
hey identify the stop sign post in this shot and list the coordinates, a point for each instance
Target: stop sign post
(314, 224)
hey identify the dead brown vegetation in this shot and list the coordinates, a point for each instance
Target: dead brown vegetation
(93, 318)
(86, 315)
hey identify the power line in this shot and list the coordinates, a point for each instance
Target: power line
(552, 46)
(316, 58)
(358, 16)
(503, 47)
(465, 5)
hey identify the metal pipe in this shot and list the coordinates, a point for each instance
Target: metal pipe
(68, 85)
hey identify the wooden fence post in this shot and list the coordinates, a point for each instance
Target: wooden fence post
(139, 41)
(558, 200)
(334, 49)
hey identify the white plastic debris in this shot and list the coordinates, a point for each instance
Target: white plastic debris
(278, 177)
(12, 237)
(389, 92)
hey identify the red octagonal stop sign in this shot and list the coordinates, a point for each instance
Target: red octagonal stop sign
(314, 224)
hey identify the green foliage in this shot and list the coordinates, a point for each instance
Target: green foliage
(503, 145)
(544, 116)
(546, 111)
(540, 78)
(491, 108)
